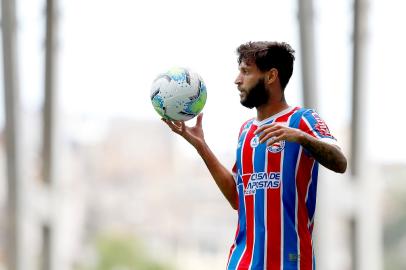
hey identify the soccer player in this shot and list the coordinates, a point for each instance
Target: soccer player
(273, 183)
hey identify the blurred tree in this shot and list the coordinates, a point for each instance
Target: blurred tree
(395, 221)
(114, 252)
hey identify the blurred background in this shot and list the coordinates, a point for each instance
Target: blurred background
(91, 179)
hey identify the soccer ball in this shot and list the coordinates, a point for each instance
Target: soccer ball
(178, 94)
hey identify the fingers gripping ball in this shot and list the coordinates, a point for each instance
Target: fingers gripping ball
(178, 94)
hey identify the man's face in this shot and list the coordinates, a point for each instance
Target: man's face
(251, 84)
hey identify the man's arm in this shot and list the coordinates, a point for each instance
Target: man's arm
(328, 155)
(221, 175)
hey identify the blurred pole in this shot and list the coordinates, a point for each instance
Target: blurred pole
(366, 226)
(12, 131)
(49, 99)
(357, 106)
(307, 48)
(48, 240)
(358, 95)
(46, 249)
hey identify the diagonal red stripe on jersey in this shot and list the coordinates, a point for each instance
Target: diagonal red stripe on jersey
(303, 178)
(249, 200)
(273, 220)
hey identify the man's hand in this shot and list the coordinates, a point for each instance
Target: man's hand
(194, 135)
(276, 132)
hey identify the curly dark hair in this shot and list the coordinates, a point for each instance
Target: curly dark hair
(267, 55)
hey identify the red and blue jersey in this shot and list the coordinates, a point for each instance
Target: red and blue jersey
(276, 196)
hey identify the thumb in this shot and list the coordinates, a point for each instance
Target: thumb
(199, 120)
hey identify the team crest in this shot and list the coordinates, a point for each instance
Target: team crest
(276, 147)
(254, 141)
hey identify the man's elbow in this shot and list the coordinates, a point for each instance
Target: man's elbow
(234, 202)
(341, 166)
(234, 206)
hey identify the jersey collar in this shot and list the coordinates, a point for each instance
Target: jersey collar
(272, 117)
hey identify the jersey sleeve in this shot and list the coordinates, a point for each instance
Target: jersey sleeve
(312, 124)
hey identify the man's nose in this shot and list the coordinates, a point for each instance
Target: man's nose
(238, 80)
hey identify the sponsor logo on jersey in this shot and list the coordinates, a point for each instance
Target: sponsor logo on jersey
(262, 180)
(276, 147)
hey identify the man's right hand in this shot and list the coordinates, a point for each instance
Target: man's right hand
(194, 135)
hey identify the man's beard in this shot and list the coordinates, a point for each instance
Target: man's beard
(257, 96)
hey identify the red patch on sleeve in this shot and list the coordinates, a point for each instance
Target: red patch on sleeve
(321, 126)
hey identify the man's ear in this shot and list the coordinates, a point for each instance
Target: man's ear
(272, 75)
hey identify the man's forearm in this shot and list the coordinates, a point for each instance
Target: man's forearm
(328, 155)
(221, 175)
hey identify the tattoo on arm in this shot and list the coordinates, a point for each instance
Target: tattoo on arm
(328, 155)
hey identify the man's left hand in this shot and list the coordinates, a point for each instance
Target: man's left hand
(276, 132)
